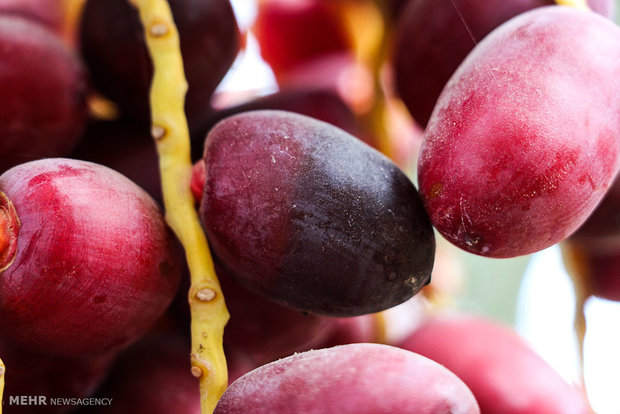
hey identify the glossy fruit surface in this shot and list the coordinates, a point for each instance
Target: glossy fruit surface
(47, 12)
(95, 263)
(519, 149)
(311, 217)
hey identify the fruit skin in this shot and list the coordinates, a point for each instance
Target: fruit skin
(520, 149)
(120, 65)
(503, 372)
(43, 91)
(311, 217)
(292, 33)
(47, 12)
(432, 41)
(433, 37)
(96, 264)
(356, 378)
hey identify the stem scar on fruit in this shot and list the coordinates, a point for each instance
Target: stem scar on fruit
(9, 230)
(171, 135)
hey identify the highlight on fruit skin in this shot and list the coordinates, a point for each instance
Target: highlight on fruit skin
(49, 13)
(95, 263)
(519, 150)
(311, 217)
(349, 379)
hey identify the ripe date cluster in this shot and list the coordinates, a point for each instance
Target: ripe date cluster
(306, 196)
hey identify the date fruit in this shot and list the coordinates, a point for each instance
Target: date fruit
(311, 217)
(520, 149)
(89, 263)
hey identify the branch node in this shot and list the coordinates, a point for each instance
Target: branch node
(158, 132)
(196, 371)
(205, 294)
(159, 29)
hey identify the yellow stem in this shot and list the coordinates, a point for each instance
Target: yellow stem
(170, 131)
(576, 267)
(578, 4)
(371, 43)
(2, 371)
(72, 13)
(381, 324)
